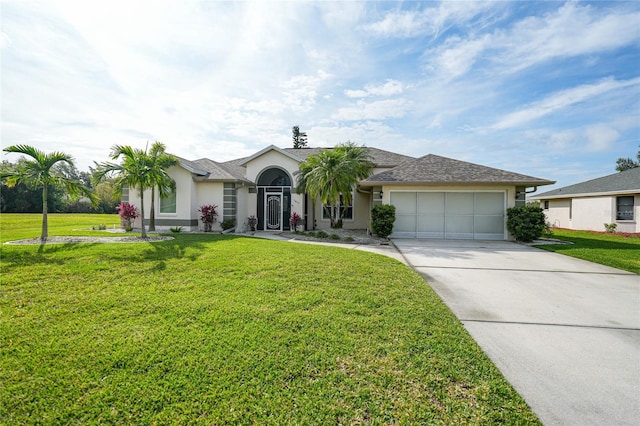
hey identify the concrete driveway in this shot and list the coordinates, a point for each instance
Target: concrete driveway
(564, 332)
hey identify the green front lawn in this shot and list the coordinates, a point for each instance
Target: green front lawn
(211, 329)
(618, 251)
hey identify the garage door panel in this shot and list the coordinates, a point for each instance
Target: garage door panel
(459, 203)
(491, 203)
(405, 202)
(459, 227)
(450, 215)
(431, 203)
(405, 223)
(489, 224)
(430, 223)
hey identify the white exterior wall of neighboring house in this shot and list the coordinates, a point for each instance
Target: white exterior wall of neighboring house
(559, 213)
(590, 213)
(632, 226)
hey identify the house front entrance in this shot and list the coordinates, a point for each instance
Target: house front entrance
(274, 200)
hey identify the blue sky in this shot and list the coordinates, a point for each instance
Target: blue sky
(549, 89)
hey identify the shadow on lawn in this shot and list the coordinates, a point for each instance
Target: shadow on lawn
(587, 243)
(188, 247)
(46, 254)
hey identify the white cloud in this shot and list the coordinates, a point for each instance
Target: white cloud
(601, 138)
(378, 110)
(560, 100)
(571, 30)
(429, 21)
(388, 88)
(301, 91)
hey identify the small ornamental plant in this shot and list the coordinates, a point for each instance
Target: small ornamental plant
(295, 221)
(252, 221)
(128, 213)
(208, 215)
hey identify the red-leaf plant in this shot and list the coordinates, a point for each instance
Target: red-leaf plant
(295, 220)
(208, 215)
(128, 213)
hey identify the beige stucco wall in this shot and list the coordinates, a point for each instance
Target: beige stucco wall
(209, 193)
(186, 202)
(255, 167)
(361, 213)
(268, 160)
(590, 213)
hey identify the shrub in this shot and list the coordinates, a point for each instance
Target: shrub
(382, 218)
(610, 227)
(334, 237)
(321, 234)
(252, 221)
(100, 227)
(349, 239)
(208, 215)
(128, 213)
(176, 229)
(527, 223)
(227, 224)
(294, 221)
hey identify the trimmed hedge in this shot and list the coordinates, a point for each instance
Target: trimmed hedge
(527, 223)
(382, 218)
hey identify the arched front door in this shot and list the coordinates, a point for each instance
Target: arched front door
(274, 200)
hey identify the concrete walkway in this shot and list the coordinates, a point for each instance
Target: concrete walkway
(387, 250)
(564, 332)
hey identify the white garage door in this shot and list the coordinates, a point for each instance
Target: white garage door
(449, 215)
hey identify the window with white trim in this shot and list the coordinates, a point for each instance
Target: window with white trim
(624, 208)
(346, 210)
(168, 203)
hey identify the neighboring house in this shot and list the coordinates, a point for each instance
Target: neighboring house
(589, 205)
(435, 197)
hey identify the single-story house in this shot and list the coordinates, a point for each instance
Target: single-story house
(589, 205)
(435, 197)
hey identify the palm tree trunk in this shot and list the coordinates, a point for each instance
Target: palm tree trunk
(45, 223)
(144, 231)
(152, 213)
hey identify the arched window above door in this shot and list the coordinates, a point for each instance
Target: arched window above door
(274, 177)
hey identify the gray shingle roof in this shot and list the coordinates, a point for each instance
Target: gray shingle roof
(627, 181)
(380, 157)
(211, 170)
(434, 169)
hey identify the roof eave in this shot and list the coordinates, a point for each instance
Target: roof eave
(586, 194)
(461, 183)
(267, 149)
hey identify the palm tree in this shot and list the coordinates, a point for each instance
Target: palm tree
(40, 172)
(159, 162)
(331, 175)
(133, 171)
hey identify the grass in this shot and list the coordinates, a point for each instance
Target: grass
(221, 329)
(617, 251)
